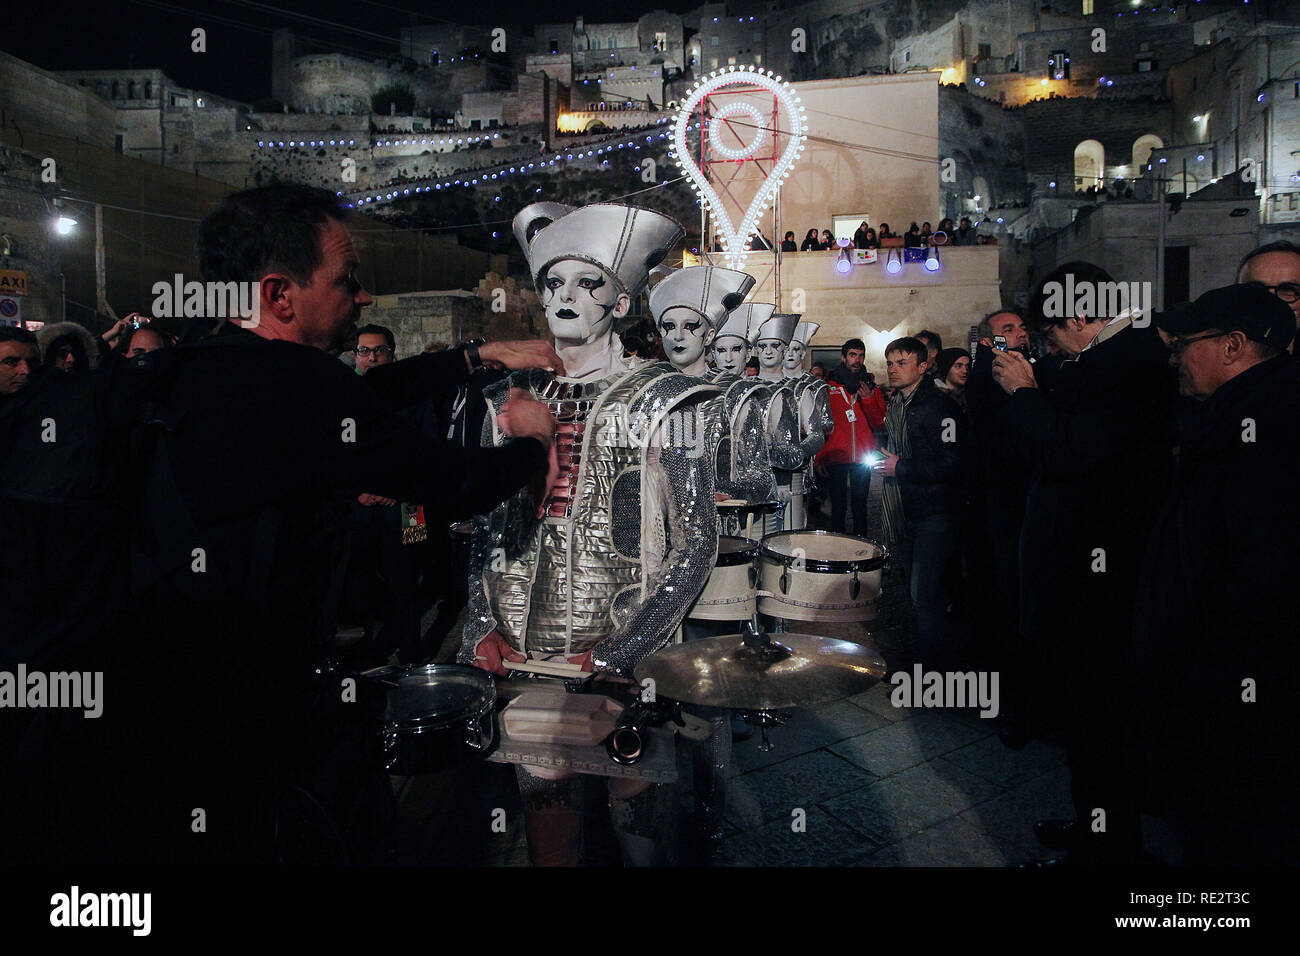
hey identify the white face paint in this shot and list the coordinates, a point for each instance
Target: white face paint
(686, 335)
(794, 356)
(771, 353)
(730, 353)
(581, 301)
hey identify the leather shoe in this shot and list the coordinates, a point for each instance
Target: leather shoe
(1055, 834)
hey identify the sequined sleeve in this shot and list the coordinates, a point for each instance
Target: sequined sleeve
(679, 500)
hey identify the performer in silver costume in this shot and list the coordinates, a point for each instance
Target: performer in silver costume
(771, 339)
(689, 306)
(812, 397)
(600, 567)
(743, 460)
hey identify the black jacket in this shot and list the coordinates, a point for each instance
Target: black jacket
(1100, 449)
(1217, 606)
(930, 478)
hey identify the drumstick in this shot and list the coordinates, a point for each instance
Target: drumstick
(749, 525)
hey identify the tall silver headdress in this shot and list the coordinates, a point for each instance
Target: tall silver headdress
(626, 241)
(804, 331)
(710, 291)
(746, 317)
(779, 326)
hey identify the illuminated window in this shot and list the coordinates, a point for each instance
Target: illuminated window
(1087, 8)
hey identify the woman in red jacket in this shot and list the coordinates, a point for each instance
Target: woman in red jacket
(857, 407)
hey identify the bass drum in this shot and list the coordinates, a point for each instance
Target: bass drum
(731, 590)
(435, 716)
(819, 576)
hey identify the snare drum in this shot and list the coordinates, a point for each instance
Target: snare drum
(819, 576)
(732, 587)
(743, 518)
(436, 715)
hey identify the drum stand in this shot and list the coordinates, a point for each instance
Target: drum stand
(759, 649)
(763, 719)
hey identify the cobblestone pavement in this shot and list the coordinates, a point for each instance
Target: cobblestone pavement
(855, 782)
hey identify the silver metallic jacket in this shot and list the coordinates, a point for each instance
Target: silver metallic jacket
(782, 414)
(617, 571)
(737, 425)
(815, 423)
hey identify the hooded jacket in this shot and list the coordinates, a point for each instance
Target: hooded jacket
(46, 336)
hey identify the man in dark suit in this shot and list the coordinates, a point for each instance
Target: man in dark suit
(1100, 449)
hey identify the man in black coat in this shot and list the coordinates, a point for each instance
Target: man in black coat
(999, 487)
(211, 712)
(1100, 447)
(1216, 620)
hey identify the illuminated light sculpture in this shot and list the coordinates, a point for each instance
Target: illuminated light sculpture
(735, 239)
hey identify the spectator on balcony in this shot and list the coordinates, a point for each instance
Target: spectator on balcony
(788, 244)
(810, 242)
(912, 238)
(828, 240)
(759, 242)
(926, 233)
(965, 234)
(885, 233)
(860, 237)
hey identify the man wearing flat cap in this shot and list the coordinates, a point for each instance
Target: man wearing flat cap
(1215, 617)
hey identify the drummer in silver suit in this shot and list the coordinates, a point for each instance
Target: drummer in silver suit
(600, 567)
(751, 409)
(771, 339)
(812, 397)
(689, 307)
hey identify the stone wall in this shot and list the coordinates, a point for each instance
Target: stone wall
(1056, 127)
(876, 307)
(419, 318)
(335, 83)
(986, 142)
(36, 99)
(1121, 238)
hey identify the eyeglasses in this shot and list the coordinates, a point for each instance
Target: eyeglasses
(377, 351)
(1288, 292)
(1178, 346)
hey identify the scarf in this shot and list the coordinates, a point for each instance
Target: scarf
(896, 441)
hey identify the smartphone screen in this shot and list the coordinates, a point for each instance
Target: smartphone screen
(1000, 343)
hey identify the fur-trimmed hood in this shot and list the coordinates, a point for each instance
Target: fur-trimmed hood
(58, 329)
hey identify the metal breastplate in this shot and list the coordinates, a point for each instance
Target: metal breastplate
(735, 421)
(582, 562)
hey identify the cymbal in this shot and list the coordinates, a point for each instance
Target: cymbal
(791, 670)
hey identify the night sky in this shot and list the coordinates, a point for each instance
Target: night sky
(62, 35)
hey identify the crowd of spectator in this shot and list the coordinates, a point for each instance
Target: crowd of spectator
(1087, 505)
